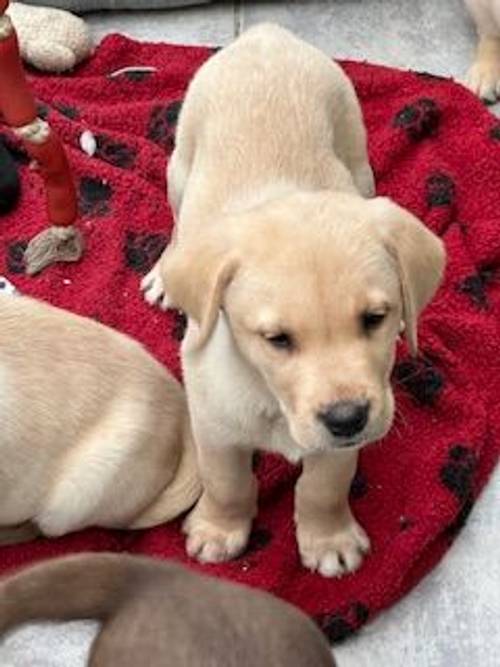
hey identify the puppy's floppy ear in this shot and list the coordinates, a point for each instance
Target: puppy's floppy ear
(419, 255)
(196, 275)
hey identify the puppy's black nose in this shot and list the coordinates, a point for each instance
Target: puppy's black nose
(345, 418)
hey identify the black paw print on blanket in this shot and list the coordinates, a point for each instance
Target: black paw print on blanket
(457, 475)
(94, 196)
(15, 256)
(142, 250)
(162, 124)
(339, 625)
(359, 486)
(67, 110)
(260, 537)
(440, 190)
(420, 378)
(420, 120)
(475, 287)
(115, 152)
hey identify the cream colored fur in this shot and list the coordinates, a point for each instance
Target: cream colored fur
(483, 77)
(50, 39)
(94, 431)
(276, 235)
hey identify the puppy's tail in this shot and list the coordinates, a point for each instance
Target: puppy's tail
(180, 494)
(83, 586)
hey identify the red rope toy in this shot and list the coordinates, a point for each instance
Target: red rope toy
(61, 242)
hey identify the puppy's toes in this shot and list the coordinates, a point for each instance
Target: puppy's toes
(210, 543)
(153, 289)
(483, 79)
(335, 554)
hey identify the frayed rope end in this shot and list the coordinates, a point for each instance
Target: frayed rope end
(56, 244)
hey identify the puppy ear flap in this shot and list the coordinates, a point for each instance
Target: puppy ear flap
(196, 277)
(420, 258)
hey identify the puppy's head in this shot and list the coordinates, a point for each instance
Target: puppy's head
(315, 288)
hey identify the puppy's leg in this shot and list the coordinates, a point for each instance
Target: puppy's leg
(152, 285)
(181, 161)
(219, 526)
(483, 78)
(329, 538)
(350, 141)
(178, 171)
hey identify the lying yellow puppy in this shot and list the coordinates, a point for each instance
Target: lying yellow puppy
(95, 432)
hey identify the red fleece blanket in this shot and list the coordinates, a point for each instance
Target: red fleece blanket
(435, 150)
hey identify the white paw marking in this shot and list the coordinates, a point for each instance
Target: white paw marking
(153, 289)
(483, 79)
(210, 543)
(336, 554)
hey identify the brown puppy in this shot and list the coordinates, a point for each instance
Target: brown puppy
(160, 614)
(295, 283)
(95, 432)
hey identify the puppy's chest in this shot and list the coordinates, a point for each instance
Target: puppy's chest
(258, 419)
(224, 390)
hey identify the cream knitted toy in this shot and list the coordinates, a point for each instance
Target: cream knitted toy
(52, 40)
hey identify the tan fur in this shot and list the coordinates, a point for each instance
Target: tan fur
(274, 235)
(483, 77)
(95, 432)
(157, 614)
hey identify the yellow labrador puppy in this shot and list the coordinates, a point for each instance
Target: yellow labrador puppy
(94, 431)
(484, 75)
(295, 286)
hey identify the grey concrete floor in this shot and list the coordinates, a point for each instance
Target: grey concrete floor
(451, 618)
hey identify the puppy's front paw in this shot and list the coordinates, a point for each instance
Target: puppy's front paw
(209, 542)
(335, 553)
(483, 79)
(153, 288)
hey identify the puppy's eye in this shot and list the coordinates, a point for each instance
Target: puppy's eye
(281, 341)
(372, 321)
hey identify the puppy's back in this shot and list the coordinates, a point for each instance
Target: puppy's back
(259, 115)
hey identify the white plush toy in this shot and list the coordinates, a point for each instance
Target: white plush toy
(51, 40)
